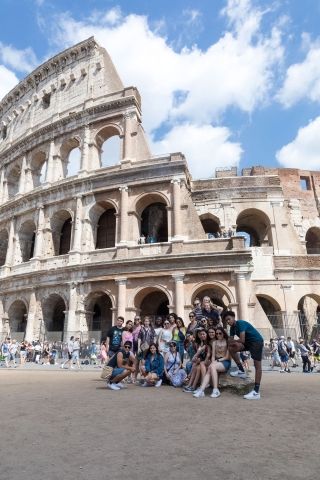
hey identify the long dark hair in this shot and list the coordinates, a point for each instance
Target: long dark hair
(153, 345)
(197, 338)
(225, 335)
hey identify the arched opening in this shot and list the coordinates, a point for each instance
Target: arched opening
(256, 224)
(153, 302)
(17, 314)
(71, 157)
(154, 223)
(53, 310)
(273, 312)
(309, 314)
(26, 240)
(99, 315)
(13, 178)
(313, 241)
(211, 225)
(38, 168)
(3, 246)
(61, 225)
(109, 146)
(106, 229)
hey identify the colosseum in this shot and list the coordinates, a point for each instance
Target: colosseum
(87, 235)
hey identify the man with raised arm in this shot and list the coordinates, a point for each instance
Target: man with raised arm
(249, 340)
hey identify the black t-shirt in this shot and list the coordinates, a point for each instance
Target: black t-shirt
(115, 336)
(113, 360)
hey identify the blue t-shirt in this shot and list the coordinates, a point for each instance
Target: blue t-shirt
(252, 335)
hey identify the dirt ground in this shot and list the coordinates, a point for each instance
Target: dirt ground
(67, 425)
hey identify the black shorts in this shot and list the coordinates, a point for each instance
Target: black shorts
(255, 349)
(69, 356)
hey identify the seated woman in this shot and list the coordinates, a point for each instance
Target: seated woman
(123, 364)
(153, 368)
(173, 371)
(220, 363)
(203, 350)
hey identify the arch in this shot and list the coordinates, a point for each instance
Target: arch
(98, 306)
(210, 224)
(109, 145)
(272, 311)
(38, 168)
(309, 313)
(147, 199)
(70, 156)
(13, 178)
(313, 241)
(219, 293)
(61, 223)
(4, 237)
(53, 311)
(27, 239)
(17, 314)
(103, 221)
(153, 301)
(154, 223)
(256, 224)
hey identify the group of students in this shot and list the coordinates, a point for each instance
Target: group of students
(156, 353)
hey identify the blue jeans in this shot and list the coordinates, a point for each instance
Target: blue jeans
(117, 371)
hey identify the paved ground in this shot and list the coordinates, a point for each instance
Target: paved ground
(65, 425)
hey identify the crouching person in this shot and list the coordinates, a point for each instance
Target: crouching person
(123, 364)
(153, 368)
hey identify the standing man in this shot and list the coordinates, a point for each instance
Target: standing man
(70, 350)
(250, 340)
(114, 338)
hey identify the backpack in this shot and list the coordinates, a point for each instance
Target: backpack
(282, 348)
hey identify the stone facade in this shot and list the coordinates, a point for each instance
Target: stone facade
(83, 240)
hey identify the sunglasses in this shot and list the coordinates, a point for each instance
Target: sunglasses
(166, 323)
(173, 345)
(219, 333)
(127, 346)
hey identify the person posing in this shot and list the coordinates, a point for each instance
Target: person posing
(146, 335)
(153, 368)
(123, 364)
(179, 335)
(158, 324)
(76, 352)
(249, 339)
(193, 323)
(114, 337)
(173, 371)
(197, 309)
(172, 320)
(5, 351)
(220, 363)
(135, 333)
(127, 332)
(191, 349)
(13, 348)
(201, 355)
(165, 337)
(209, 311)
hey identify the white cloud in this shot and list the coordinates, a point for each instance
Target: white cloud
(7, 80)
(302, 79)
(20, 60)
(205, 147)
(304, 150)
(235, 71)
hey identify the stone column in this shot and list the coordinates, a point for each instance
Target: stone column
(176, 197)
(31, 316)
(77, 226)
(242, 295)
(130, 132)
(72, 324)
(38, 243)
(124, 214)
(11, 243)
(179, 294)
(5, 194)
(22, 179)
(122, 296)
(50, 165)
(1, 185)
(85, 149)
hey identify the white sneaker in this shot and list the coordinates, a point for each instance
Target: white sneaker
(252, 396)
(113, 386)
(215, 393)
(159, 383)
(199, 394)
(71, 368)
(238, 374)
(121, 385)
(62, 366)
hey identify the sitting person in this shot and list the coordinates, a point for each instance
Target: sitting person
(173, 371)
(220, 363)
(153, 368)
(191, 349)
(201, 355)
(123, 364)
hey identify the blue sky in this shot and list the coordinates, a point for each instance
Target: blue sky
(227, 82)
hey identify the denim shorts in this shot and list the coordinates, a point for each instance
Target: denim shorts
(226, 364)
(75, 355)
(117, 371)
